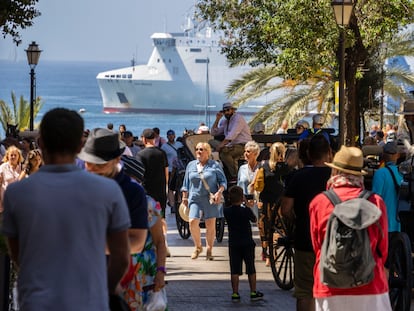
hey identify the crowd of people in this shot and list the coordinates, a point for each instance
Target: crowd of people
(111, 223)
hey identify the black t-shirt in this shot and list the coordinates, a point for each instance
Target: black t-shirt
(274, 182)
(304, 185)
(238, 222)
(155, 161)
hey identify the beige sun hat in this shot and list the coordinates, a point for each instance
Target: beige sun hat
(348, 160)
(184, 212)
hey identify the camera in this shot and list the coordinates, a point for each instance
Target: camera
(249, 196)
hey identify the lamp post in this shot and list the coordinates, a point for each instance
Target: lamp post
(343, 10)
(33, 55)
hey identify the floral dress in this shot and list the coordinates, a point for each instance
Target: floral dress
(143, 266)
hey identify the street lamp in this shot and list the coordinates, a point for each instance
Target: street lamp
(33, 55)
(343, 11)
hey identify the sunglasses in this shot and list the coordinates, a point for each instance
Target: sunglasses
(299, 127)
(199, 149)
(227, 109)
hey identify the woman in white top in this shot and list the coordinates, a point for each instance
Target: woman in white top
(10, 169)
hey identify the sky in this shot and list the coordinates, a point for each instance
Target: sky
(98, 30)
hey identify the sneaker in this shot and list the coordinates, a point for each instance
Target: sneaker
(196, 252)
(254, 296)
(235, 297)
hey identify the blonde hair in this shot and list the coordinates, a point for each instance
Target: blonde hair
(11, 149)
(253, 146)
(205, 146)
(277, 154)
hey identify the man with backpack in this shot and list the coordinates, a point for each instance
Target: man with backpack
(348, 217)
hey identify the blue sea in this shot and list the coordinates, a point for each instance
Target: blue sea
(73, 85)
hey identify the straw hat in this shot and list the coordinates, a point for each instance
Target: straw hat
(349, 160)
(408, 107)
(184, 212)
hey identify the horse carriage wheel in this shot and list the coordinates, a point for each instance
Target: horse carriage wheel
(281, 251)
(400, 271)
(183, 227)
(220, 229)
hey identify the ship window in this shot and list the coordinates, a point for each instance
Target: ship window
(158, 60)
(122, 98)
(106, 76)
(195, 50)
(130, 76)
(118, 76)
(123, 76)
(169, 60)
(112, 76)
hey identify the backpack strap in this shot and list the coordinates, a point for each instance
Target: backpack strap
(397, 187)
(332, 196)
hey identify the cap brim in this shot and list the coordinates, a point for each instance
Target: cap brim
(359, 173)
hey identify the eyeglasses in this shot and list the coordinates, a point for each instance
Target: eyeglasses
(199, 149)
(226, 109)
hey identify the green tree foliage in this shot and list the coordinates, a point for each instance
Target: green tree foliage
(16, 15)
(18, 113)
(300, 40)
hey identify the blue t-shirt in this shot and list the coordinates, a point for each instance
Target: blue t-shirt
(383, 185)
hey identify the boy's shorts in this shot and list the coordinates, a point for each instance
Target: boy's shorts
(237, 255)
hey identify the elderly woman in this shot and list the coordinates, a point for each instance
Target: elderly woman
(202, 191)
(10, 169)
(245, 178)
(347, 182)
(269, 183)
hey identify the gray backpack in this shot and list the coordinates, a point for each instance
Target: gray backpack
(346, 258)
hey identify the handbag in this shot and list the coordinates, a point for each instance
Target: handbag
(259, 181)
(157, 301)
(211, 195)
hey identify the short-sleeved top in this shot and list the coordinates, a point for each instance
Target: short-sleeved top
(238, 221)
(136, 199)
(171, 151)
(304, 185)
(61, 216)
(192, 183)
(155, 161)
(383, 185)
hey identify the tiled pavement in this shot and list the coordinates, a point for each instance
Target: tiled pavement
(205, 285)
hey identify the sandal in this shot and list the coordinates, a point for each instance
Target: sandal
(196, 252)
(209, 256)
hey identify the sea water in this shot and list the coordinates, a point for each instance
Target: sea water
(73, 85)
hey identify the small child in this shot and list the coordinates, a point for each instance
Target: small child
(241, 243)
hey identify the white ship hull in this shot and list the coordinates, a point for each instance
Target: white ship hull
(185, 74)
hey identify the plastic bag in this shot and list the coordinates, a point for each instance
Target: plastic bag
(157, 301)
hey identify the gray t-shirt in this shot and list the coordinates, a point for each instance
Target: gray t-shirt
(61, 216)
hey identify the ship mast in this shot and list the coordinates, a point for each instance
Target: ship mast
(207, 107)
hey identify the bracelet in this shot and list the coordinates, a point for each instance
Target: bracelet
(162, 269)
(184, 199)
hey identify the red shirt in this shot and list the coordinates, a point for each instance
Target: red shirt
(320, 209)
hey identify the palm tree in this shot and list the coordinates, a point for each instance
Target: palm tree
(317, 93)
(19, 113)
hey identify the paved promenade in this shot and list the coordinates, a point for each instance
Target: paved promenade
(205, 285)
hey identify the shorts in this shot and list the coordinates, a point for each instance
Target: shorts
(303, 277)
(208, 211)
(240, 254)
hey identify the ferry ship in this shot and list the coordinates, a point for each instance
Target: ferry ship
(186, 74)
